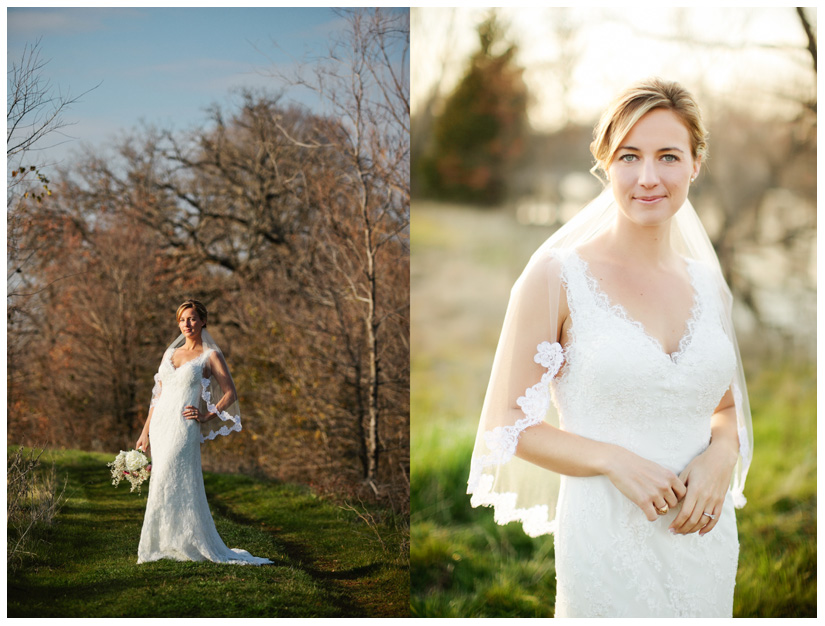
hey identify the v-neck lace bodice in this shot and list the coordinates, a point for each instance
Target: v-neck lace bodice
(200, 358)
(618, 383)
(617, 309)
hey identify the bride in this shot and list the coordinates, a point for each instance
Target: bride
(178, 524)
(618, 371)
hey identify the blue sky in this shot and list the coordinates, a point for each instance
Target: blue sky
(161, 66)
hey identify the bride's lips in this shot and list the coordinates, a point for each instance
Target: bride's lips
(648, 199)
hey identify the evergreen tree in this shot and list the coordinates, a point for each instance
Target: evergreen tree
(483, 128)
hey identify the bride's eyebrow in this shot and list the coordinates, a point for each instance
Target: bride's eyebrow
(669, 149)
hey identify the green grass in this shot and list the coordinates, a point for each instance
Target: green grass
(777, 528)
(327, 561)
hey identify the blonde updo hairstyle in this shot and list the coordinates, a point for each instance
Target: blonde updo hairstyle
(631, 105)
(200, 309)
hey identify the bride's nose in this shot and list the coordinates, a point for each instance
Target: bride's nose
(648, 176)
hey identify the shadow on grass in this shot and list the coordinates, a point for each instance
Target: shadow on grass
(300, 556)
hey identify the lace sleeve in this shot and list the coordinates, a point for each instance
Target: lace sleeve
(215, 381)
(156, 391)
(225, 416)
(529, 355)
(503, 440)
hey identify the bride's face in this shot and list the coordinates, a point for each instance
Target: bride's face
(190, 323)
(652, 168)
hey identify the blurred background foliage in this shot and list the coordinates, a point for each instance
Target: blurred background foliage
(504, 103)
(480, 135)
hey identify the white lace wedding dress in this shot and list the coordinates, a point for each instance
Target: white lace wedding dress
(178, 524)
(618, 385)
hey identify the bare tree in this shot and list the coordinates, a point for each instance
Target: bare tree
(33, 112)
(364, 82)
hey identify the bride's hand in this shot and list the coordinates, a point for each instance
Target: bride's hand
(707, 478)
(645, 483)
(193, 413)
(143, 443)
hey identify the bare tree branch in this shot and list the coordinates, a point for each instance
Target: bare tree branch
(32, 111)
(806, 25)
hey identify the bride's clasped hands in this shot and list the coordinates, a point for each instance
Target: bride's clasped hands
(697, 493)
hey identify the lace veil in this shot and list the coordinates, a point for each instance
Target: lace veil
(229, 418)
(528, 357)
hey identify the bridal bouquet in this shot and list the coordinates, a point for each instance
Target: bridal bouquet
(132, 466)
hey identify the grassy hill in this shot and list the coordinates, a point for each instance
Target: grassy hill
(328, 562)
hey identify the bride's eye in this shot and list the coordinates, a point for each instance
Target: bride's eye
(627, 158)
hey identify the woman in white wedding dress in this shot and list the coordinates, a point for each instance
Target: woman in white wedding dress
(618, 371)
(178, 524)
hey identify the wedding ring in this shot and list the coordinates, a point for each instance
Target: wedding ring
(662, 511)
(709, 515)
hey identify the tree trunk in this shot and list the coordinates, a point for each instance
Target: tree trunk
(373, 443)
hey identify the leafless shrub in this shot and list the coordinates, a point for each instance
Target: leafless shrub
(34, 497)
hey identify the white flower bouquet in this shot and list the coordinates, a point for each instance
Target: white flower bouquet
(132, 466)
